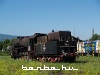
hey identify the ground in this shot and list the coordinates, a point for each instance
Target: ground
(85, 65)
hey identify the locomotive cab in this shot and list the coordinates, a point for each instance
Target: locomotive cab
(68, 51)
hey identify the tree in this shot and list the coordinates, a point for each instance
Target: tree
(6, 43)
(1, 45)
(95, 37)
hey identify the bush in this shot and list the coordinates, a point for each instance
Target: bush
(4, 53)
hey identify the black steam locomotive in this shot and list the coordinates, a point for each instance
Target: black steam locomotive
(55, 46)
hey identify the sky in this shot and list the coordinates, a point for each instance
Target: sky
(26, 17)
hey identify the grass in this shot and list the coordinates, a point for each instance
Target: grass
(4, 53)
(85, 65)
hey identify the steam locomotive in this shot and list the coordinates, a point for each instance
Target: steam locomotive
(54, 47)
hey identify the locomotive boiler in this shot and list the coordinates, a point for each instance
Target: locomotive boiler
(55, 47)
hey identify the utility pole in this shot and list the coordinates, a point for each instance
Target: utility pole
(93, 32)
(93, 37)
(74, 33)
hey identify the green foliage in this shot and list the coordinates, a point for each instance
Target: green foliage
(85, 65)
(4, 53)
(1, 45)
(4, 44)
(95, 37)
(6, 41)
